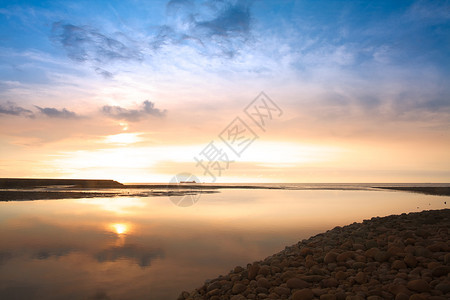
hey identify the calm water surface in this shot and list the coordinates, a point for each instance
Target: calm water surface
(148, 248)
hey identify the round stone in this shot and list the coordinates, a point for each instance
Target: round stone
(402, 296)
(263, 282)
(296, 283)
(360, 277)
(238, 288)
(418, 285)
(330, 257)
(328, 297)
(440, 271)
(398, 264)
(304, 294)
(410, 260)
(279, 290)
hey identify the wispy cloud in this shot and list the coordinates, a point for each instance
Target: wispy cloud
(56, 113)
(11, 108)
(433, 12)
(106, 74)
(132, 115)
(212, 27)
(86, 44)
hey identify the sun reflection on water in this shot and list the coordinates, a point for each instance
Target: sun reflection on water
(120, 228)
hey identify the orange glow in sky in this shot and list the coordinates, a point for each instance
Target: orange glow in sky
(138, 94)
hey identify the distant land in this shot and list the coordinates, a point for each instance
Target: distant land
(429, 190)
(10, 183)
(13, 189)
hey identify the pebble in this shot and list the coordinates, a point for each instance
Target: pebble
(418, 285)
(304, 294)
(264, 270)
(297, 283)
(330, 257)
(360, 277)
(402, 296)
(410, 260)
(344, 256)
(447, 259)
(279, 290)
(417, 297)
(341, 275)
(440, 271)
(398, 264)
(238, 288)
(330, 282)
(444, 287)
(328, 297)
(264, 283)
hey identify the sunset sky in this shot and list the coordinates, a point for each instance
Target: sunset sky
(138, 91)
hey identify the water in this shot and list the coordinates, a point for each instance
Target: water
(148, 248)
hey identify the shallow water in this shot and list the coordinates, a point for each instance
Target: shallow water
(136, 248)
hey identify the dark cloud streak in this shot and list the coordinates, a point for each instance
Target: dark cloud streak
(12, 109)
(133, 115)
(212, 28)
(233, 20)
(104, 73)
(56, 113)
(85, 44)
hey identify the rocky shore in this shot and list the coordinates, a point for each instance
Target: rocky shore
(396, 257)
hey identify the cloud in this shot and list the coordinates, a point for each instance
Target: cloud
(143, 257)
(212, 28)
(85, 44)
(429, 11)
(12, 109)
(104, 73)
(56, 113)
(233, 20)
(133, 115)
(47, 253)
(5, 256)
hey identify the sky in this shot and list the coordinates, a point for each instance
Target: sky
(228, 91)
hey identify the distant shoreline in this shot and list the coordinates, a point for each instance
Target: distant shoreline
(438, 191)
(9, 183)
(13, 189)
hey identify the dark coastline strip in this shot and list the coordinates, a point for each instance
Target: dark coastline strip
(428, 190)
(395, 257)
(9, 183)
(50, 195)
(39, 195)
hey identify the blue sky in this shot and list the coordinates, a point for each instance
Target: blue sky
(355, 35)
(342, 69)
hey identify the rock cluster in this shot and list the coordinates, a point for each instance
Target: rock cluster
(395, 257)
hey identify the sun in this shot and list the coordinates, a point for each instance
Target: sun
(120, 228)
